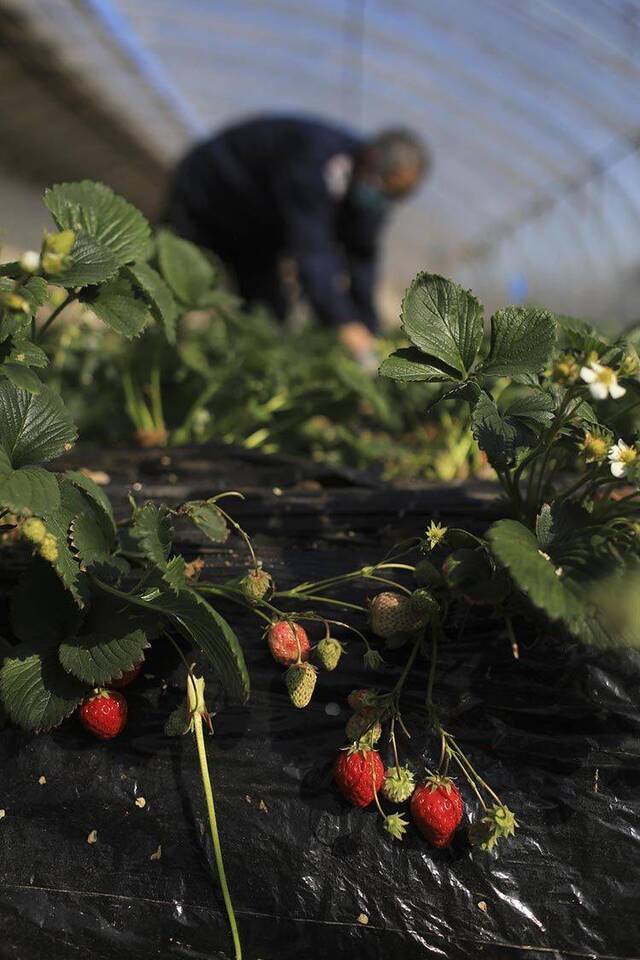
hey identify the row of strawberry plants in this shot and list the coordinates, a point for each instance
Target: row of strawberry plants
(545, 397)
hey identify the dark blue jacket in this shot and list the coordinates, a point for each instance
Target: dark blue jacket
(281, 185)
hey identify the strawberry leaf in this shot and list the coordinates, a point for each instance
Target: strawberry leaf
(202, 625)
(187, 271)
(93, 210)
(522, 340)
(153, 530)
(157, 295)
(36, 692)
(53, 617)
(112, 640)
(443, 321)
(207, 518)
(33, 429)
(516, 548)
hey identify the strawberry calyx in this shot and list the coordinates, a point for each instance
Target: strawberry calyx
(358, 746)
(435, 781)
(497, 823)
(395, 825)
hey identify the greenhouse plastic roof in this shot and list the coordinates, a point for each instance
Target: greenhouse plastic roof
(531, 110)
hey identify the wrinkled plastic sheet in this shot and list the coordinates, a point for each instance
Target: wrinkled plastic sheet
(556, 733)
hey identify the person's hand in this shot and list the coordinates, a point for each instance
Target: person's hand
(360, 343)
(357, 338)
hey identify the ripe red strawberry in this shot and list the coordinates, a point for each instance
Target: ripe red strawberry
(437, 808)
(355, 774)
(104, 714)
(288, 642)
(127, 677)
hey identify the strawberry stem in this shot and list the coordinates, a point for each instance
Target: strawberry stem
(394, 746)
(375, 793)
(435, 634)
(217, 849)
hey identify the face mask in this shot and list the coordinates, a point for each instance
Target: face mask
(367, 197)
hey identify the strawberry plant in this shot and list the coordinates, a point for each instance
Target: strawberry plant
(105, 587)
(550, 407)
(551, 402)
(227, 374)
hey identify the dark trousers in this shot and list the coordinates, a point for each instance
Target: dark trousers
(255, 269)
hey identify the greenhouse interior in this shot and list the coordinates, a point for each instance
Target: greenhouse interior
(320, 479)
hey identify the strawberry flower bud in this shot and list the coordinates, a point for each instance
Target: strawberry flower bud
(595, 447)
(30, 261)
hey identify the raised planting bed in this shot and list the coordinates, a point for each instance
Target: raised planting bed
(88, 868)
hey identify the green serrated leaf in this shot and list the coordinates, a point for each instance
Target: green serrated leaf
(92, 537)
(559, 527)
(14, 324)
(533, 408)
(410, 365)
(22, 377)
(54, 615)
(35, 291)
(153, 530)
(466, 390)
(97, 659)
(498, 435)
(576, 334)
(23, 351)
(33, 429)
(11, 269)
(207, 518)
(187, 271)
(522, 341)
(36, 692)
(112, 640)
(443, 321)
(29, 490)
(97, 212)
(158, 296)
(117, 305)
(516, 548)
(58, 523)
(174, 574)
(92, 263)
(92, 490)
(203, 625)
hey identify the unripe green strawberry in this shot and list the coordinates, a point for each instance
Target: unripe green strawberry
(424, 604)
(392, 613)
(256, 585)
(363, 726)
(301, 681)
(33, 530)
(329, 651)
(48, 549)
(399, 784)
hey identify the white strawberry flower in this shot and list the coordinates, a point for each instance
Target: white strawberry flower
(621, 455)
(602, 381)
